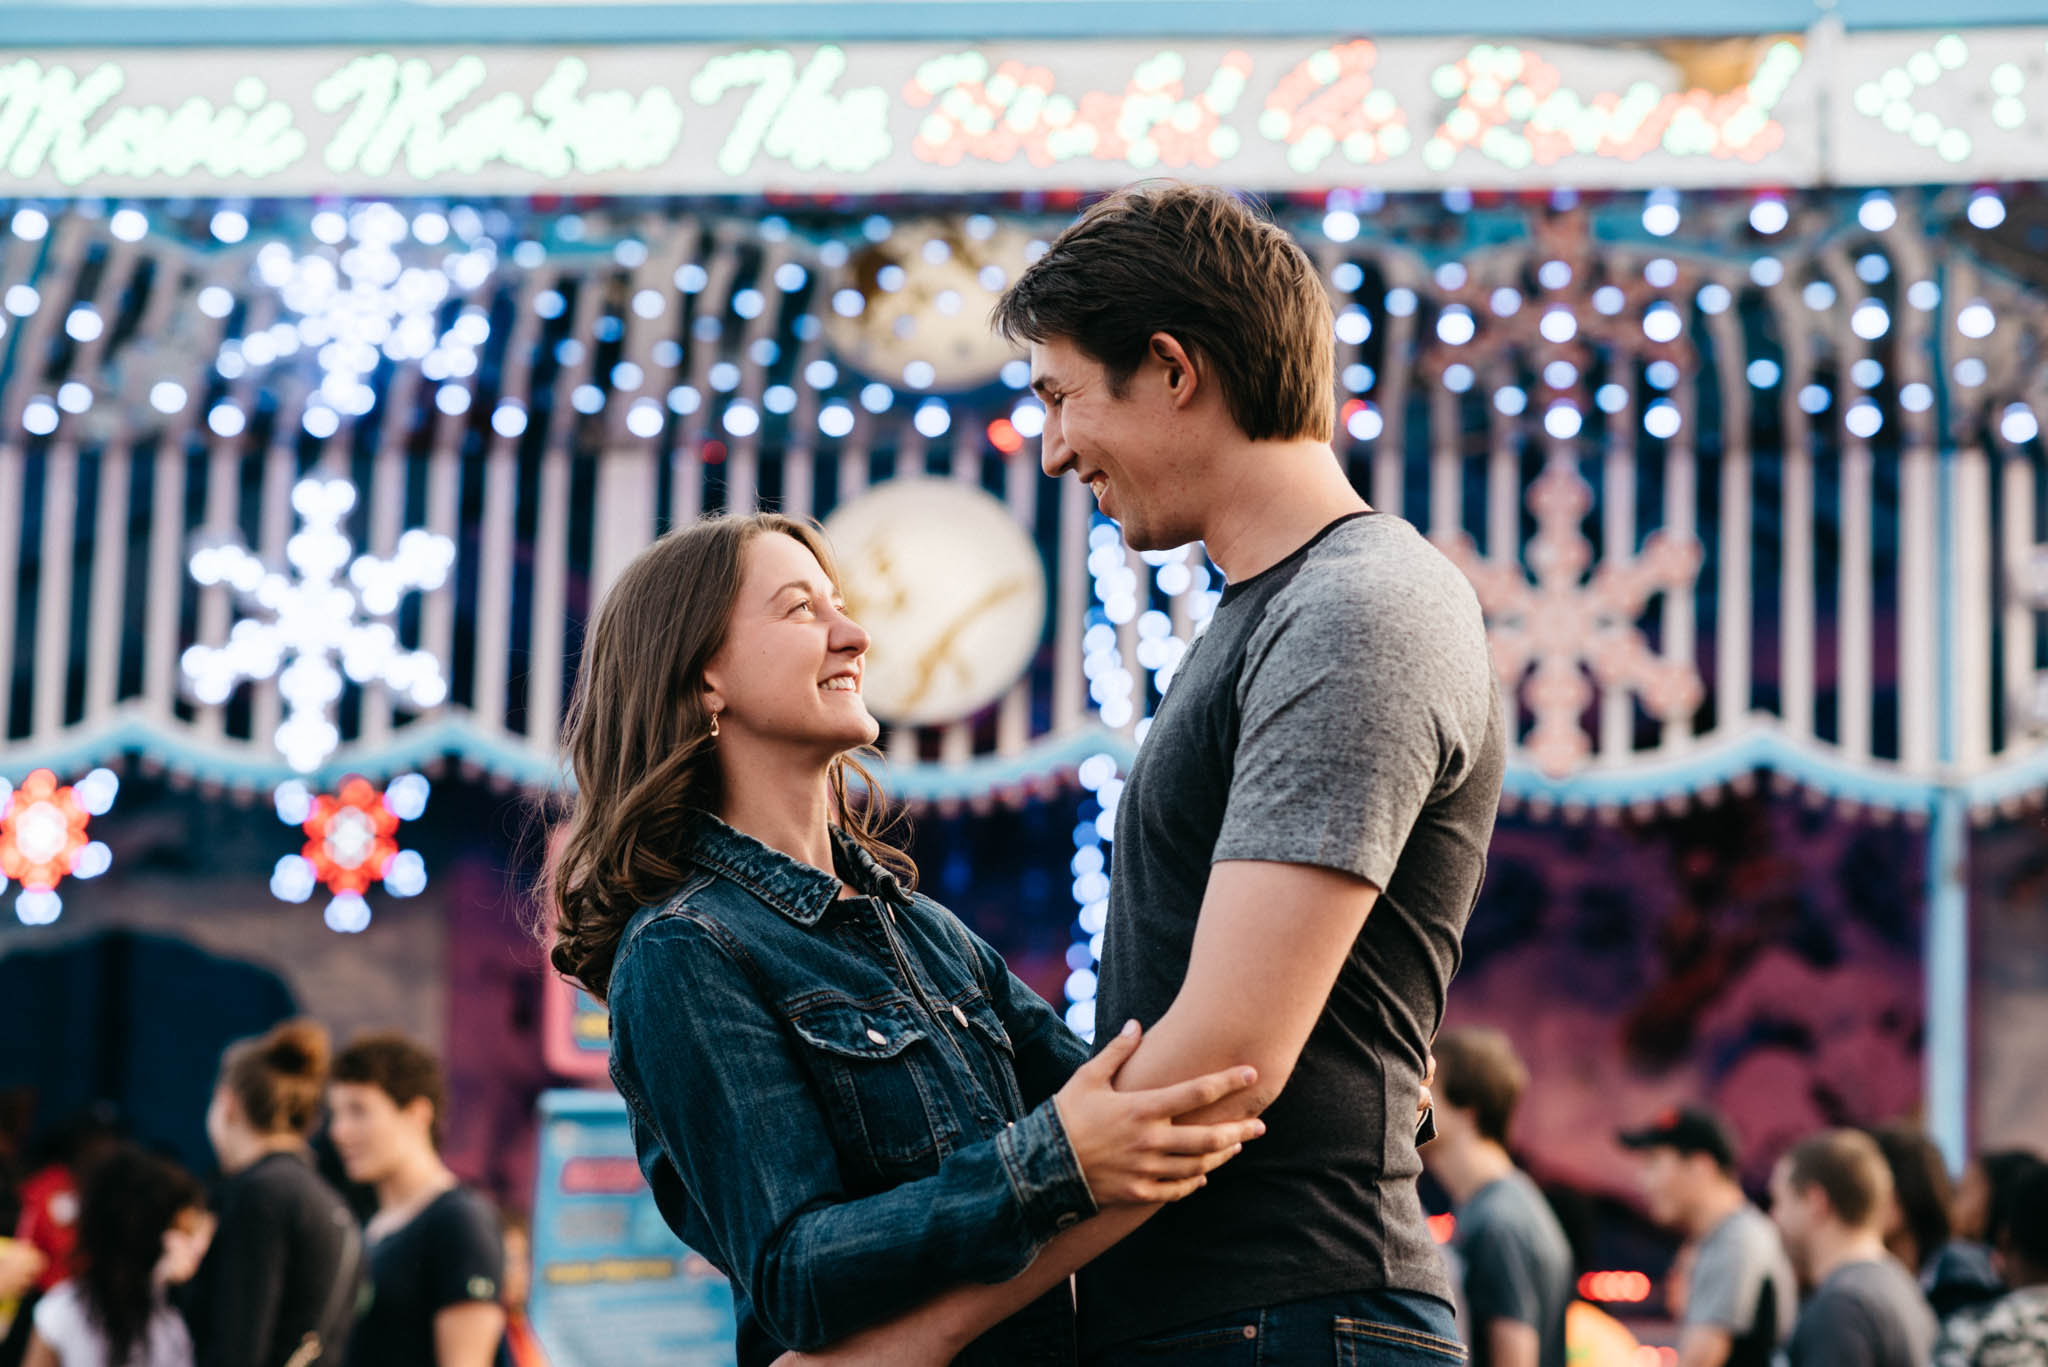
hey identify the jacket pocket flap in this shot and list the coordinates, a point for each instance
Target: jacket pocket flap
(877, 1031)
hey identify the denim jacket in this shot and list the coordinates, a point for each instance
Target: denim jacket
(843, 1103)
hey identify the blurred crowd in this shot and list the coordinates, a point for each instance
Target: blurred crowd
(1869, 1255)
(333, 1235)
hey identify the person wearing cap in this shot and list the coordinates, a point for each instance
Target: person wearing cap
(1830, 1196)
(1742, 1296)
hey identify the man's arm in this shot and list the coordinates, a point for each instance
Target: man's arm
(1704, 1345)
(466, 1335)
(1512, 1343)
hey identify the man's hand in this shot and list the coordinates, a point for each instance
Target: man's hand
(886, 1345)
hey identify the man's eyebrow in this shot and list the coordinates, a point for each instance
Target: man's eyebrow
(1041, 385)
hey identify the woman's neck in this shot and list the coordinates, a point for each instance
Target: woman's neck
(250, 1148)
(786, 806)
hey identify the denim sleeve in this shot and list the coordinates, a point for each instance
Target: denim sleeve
(1047, 1051)
(705, 1061)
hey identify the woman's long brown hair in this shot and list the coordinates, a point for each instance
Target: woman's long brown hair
(638, 739)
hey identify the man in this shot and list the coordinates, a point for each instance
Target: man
(1830, 1196)
(1517, 1261)
(2013, 1330)
(436, 1254)
(1741, 1295)
(1303, 833)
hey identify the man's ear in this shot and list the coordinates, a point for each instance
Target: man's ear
(420, 1111)
(1183, 377)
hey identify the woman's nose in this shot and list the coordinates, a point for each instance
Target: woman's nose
(849, 636)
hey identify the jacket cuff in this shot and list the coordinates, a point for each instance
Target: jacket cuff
(1044, 1174)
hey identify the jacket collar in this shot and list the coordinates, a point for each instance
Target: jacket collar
(800, 892)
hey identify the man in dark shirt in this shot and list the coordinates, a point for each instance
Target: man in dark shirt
(1303, 833)
(1741, 1294)
(436, 1254)
(1517, 1262)
(1829, 1196)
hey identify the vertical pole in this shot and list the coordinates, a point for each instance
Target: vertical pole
(1947, 1037)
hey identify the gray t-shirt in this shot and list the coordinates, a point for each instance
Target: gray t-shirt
(1518, 1266)
(1340, 710)
(1743, 1282)
(1866, 1314)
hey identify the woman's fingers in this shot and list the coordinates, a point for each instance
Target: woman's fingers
(1193, 1095)
(1162, 1193)
(1101, 1070)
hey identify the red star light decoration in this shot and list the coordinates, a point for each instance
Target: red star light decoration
(43, 837)
(350, 844)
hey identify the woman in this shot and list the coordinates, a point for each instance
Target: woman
(142, 1228)
(279, 1285)
(839, 1095)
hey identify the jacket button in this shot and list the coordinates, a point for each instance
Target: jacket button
(960, 1016)
(878, 1037)
(1067, 1221)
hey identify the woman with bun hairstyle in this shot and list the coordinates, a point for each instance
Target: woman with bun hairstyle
(280, 1284)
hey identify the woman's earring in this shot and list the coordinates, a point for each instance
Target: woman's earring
(714, 726)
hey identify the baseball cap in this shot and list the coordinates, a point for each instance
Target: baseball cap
(1689, 1129)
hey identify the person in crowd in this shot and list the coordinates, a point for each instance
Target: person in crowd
(521, 1347)
(1740, 1293)
(280, 1282)
(1830, 1196)
(1953, 1273)
(142, 1229)
(436, 1256)
(839, 1095)
(49, 1198)
(1518, 1273)
(2013, 1330)
(1984, 1193)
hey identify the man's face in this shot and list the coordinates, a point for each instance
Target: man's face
(1668, 1185)
(1128, 450)
(374, 1134)
(1795, 1213)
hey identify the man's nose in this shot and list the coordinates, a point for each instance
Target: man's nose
(1054, 457)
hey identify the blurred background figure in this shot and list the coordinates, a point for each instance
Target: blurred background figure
(1830, 1196)
(1954, 1273)
(50, 1195)
(521, 1348)
(1516, 1261)
(280, 1282)
(142, 1229)
(1739, 1295)
(436, 1254)
(2013, 1330)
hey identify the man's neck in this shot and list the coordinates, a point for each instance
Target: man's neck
(786, 806)
(1722, 1200)
(413, 1183)
(1273, 498)
(1836, 1247)
(1469, 1167)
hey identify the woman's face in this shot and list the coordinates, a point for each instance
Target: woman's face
(185, 1244)
(1969, 1212)
(789, 673)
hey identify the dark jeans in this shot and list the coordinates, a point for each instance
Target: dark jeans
(1357, 1329)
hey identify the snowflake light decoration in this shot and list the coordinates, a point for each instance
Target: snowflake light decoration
(1555, 625)
(315, 621)
(350, 844)
(43, 837)
(359, 302)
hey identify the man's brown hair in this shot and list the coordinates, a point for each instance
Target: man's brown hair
(1478, 1070)
(1849, 1169)
(398, 1066)
(1198, 264)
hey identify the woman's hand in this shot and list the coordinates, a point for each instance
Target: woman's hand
(1130, 1150)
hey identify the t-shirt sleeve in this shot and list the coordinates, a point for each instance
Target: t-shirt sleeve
(59, 1320)
(1833, 1332)
(1498, 1284)
(468, 1260)
(1726, 1279)
(1358, 704)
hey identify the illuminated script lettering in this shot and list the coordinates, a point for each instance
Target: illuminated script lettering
(793, 115)
(46, 118)
(1512, 106)
(1012, 111)
(1328, 102)
(403, 106)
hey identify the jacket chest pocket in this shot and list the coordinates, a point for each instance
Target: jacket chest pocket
(872, 1062)
(984, 1031)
